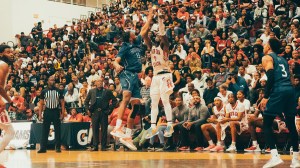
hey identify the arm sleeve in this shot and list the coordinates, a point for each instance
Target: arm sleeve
(270, 83)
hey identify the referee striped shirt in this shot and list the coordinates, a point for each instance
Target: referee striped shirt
(51, 97)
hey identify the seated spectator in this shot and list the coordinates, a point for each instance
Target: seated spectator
(236, 83)
(72, 96)
(209, 94)
(180, 115)
(198, 115)
(75, 117)
(223, 93)
(221, 77)
(19, 103)
(31, 115)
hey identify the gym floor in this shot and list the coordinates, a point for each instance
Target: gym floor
(87, 159)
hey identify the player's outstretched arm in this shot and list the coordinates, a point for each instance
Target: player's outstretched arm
(145, 29)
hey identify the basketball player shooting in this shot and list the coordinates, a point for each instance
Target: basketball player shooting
(6, 59)
(162, 84)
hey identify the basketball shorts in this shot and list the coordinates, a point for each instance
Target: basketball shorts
(223, 129)
(282, 101)
(130, 82)
(162, 84)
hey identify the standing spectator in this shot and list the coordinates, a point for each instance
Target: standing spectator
(51, 98)
(98, 103)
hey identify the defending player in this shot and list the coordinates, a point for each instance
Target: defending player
(279, 97)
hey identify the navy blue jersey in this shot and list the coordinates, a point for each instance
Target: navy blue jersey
(281, 72)
(131, 55)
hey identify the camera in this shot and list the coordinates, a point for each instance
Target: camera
(229, 78)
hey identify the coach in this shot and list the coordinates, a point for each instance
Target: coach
(98, 102)
(51, 98)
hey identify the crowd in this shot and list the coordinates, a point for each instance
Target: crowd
(215, 58)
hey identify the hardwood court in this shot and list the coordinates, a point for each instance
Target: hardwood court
(87, 159)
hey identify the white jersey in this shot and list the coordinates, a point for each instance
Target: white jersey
(159, 60)
(220, 114)
(235, 110)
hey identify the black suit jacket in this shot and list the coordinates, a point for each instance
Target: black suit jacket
(91, 103)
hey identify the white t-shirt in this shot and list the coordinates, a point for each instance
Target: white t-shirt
(224, 98)
(246, 104)
(235, 110)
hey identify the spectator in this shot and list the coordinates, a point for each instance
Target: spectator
(75, 116)
(209, 94)
(236, 83)
(198, 115)
(72, 96)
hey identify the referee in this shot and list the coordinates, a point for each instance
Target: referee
(51, 98)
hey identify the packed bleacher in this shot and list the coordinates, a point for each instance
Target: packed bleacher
(216, 50)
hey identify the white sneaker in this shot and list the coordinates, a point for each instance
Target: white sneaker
(253, 149)
(274, 161)
(232, 148)
(151, 133)
(129, 143)
(169, 131)
(295, 163)
(118, 133)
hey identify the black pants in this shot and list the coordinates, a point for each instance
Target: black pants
(97, 119)
(170, 140)
(51, 115)
(196, 129)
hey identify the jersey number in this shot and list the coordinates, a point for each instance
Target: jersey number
(284, 73)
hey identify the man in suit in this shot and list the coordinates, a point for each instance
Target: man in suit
(100, 103)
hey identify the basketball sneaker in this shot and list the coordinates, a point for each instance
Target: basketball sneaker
(184, 148)
(209, 147)
(151, 133)
(169, 131)
(198, 149)
(232, 148)
(217, 149)
(118, 132)
(295, 163)
(253, 149)
(274, 161)
(128, 142)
